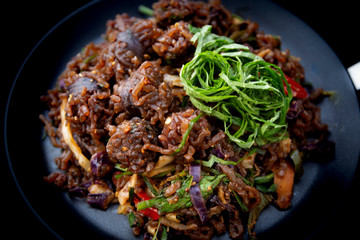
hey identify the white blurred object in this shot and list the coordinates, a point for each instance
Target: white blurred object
(354, 72)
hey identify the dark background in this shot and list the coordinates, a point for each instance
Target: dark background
(23, 24)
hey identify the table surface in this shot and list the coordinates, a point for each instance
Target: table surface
(31, 20)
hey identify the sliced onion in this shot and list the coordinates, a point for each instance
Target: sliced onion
(100, 200)
(163, 169)
(198, 202)
(195, 171)
(78, 192)
(195, 193)
(218, 153)
(248, 162)
(123, 195)
(173, 80)
(164, 160)
(295, 109)
(69, 140)
(100, 164)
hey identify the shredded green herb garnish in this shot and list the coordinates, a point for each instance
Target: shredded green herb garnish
(227, 81)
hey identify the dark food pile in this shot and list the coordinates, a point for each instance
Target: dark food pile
(121, 116)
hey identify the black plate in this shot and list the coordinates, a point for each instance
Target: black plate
(316, 196)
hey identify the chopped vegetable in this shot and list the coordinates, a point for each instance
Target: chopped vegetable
(264, 179)
(145, 10)
(248, 161)
(195, 171)
(206, 184)
(131, 195)
(124, 171)
(265, 183)
(213, 159)
(297, 160)
(297, 90)
(241, 204)
(69, 140)
(255, 212)
(195, 193)
(227, 81)
(164, 234)
(150, 212)
(150, 186)
(284, 180)
(123, 195)
(161, 203)
(157, 171)
(100, 164)
(186, 134)
(133, 221)
(100, 200)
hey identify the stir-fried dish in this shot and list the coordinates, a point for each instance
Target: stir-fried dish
(192, 120)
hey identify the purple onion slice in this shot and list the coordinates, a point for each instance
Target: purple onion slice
(195, 192)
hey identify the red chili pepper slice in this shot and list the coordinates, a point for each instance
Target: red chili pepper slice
(297, 90)
(143, 195)
(150, 212)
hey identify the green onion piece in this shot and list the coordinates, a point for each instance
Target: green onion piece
(133, 221)
(247, 182)
(125, 171)
(264, 179)
(88, 59)
(164, 234)
(160, 175)
(118, 166)
(214, 159)
(297, 160)
(146, 10)
(265, 189)
(265, 183)
(150, 186)
(122, 174)
(207, 185)
(149, 203)
(191, 124)
(131, 195)
(157, 230)
(242, 205)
